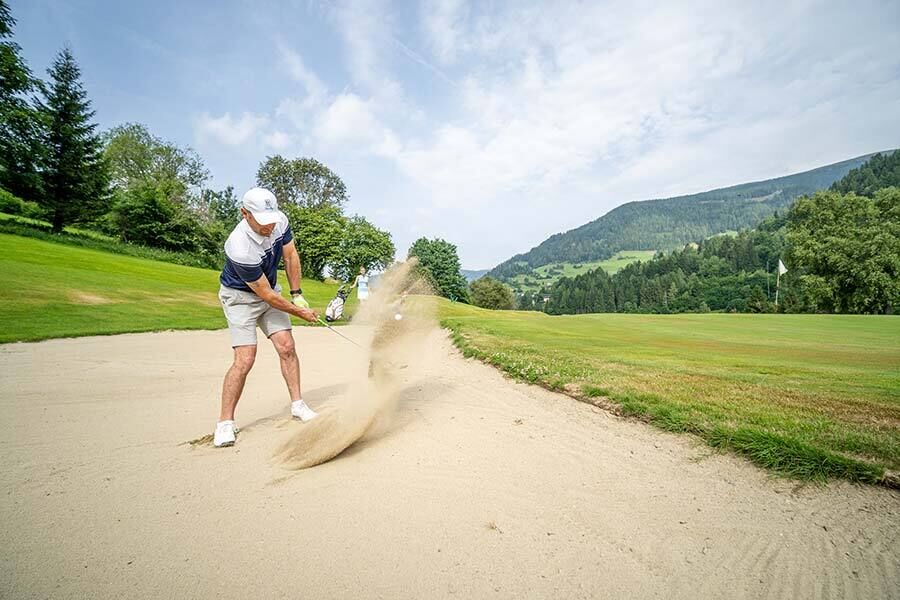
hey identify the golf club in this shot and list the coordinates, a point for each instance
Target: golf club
(338, 332)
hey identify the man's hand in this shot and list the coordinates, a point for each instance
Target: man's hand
(307, 314)
(300, 301)
(262, 289)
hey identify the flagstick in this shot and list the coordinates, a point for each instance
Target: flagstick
(777, 284)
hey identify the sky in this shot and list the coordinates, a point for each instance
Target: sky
(490, 124)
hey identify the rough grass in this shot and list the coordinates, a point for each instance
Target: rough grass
(56, 290)
(807, 396)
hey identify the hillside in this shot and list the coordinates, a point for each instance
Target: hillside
(841, 248)
(669, 223)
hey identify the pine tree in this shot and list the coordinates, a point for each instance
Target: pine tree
(75, 176)
(19, 122)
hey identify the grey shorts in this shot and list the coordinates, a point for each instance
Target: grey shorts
(245, 310)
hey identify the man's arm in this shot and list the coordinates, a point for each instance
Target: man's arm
(262, 289)
(292, 265)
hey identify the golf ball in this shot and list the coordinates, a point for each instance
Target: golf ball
(398, 316)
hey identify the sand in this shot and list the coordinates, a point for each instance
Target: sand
(471, 486)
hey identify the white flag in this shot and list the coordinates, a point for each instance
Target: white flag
(781, 268)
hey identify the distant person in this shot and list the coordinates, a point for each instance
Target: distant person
(251, 297)
(361, 283)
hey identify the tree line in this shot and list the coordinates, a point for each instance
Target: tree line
(55, 165)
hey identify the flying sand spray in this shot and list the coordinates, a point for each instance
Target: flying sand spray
(374, 377)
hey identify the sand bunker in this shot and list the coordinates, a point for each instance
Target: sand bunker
(480, 488)
(372, 391)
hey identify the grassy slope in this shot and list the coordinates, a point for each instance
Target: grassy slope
(542, 276)
(72, 230)
(54, 290)
(810, 396)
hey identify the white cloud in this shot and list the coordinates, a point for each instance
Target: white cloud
(367, 28)
(228, 130)
(443, 21)
(277, 140)
(350, 122)
(315, 90)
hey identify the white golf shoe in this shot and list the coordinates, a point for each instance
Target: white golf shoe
(299, 410)
(224, 435)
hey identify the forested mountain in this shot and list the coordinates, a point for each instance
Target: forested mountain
(842, 252)
(670, 223)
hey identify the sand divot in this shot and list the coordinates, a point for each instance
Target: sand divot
(373, 385)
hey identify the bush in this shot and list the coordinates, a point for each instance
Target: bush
(487, 292)
(147, 216)
(13, 205)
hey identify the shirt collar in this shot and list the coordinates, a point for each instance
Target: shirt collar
(253, 235)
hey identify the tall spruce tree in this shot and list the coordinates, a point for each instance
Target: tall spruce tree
(19, 122)
(75, 176)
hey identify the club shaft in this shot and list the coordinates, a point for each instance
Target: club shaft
(338, 332)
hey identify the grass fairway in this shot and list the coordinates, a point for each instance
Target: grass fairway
(53, 290)
(809, 396)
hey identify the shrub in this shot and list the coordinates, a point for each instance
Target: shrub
(13, 205)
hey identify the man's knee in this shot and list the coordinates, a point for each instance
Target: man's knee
(244, 357)
(284, 345)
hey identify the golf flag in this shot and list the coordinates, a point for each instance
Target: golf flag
(781, 268)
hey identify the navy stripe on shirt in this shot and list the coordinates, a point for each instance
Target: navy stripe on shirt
(236, 274)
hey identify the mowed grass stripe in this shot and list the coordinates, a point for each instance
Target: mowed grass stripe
(53, 290)
(810, 396)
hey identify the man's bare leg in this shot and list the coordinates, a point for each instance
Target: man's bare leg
(290, 363)
(244, 357)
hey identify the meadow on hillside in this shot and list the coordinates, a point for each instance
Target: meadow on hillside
(546, 275)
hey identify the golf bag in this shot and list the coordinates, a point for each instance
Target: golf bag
(335, 309)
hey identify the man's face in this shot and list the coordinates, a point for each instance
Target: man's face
(264, 230)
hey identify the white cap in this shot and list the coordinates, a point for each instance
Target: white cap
(262, 205)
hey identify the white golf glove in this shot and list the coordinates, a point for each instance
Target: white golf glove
(300, 301)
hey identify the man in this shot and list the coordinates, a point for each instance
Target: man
(251, 297)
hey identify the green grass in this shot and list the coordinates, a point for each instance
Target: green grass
(622, 259)
(85, 238)
(45, 226)
(55, 290)
(808, 396)
(547, 275)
